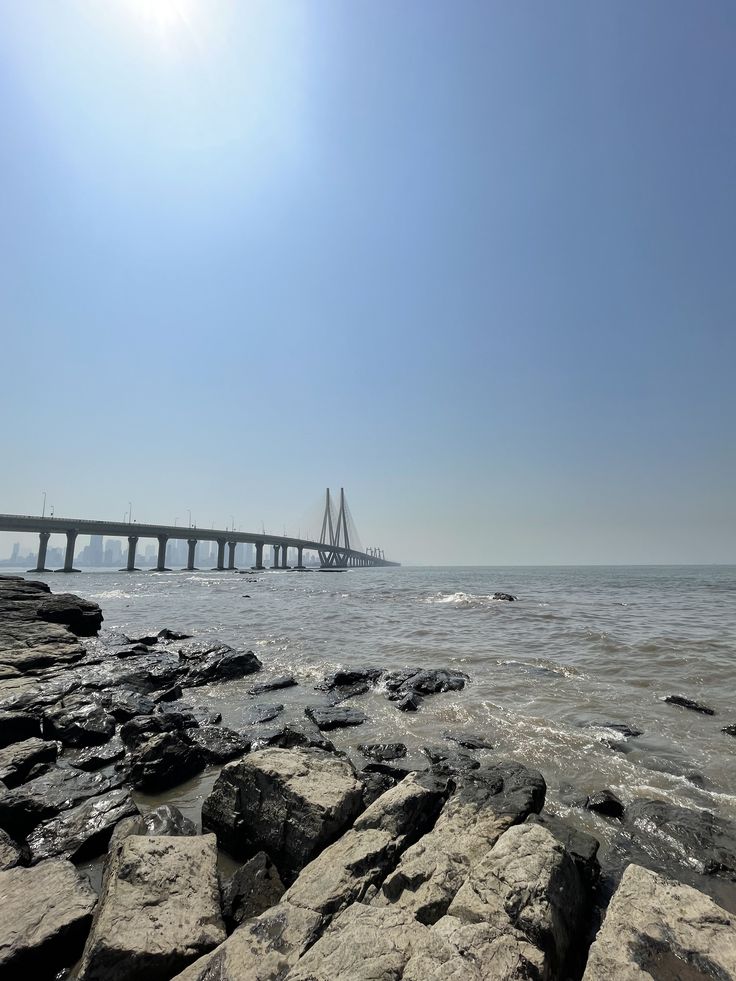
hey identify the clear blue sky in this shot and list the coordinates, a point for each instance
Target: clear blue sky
(474, 261)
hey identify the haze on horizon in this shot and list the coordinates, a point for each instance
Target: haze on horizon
(473, 262)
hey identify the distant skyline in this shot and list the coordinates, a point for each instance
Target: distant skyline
(473, 262)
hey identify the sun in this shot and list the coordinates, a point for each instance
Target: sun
(163, 16)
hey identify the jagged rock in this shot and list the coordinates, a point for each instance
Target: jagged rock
(580, 846)
(335, 717)
(78, 723)
(657, 928)
(199, 650)
(697, 839)
(260, 712)
(487, 802)
(375, 784)
(605, 802)
(251, 890)
(298, 732)
(162, 820)
(44, 917)
(347, 677)
(132, 651)
(504, 596)
(164, 761)
(428, 682)
(383, 752)
(12, 853)
(29, 642)
(159, 909)
(172, 694)
(202, 716)
(139, 730)
(287, 802)
(729, 730)
(82, 617)
(147, 640)
(688, 703)
(221, 666)
(84, 831)
(409, 702)
(467, 740)
(18, 760)
(98, 756)
(167, 634)
(124, 705)
(17, 726)
(218, 745)
(25, 807)
(282, 681)
(447, 760)
(338, 695)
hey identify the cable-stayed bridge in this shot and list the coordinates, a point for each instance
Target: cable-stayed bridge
(338, 546)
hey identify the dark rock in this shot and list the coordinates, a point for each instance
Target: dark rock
(77, 722)
(164, 761)
(25, 807)
(383, 751)
(80, 616)
(259, 712)
(688, 703)
(627, 731)
(729, 730)
(299, 732)
(282, 681)
(448, 761)
(218, 745)
(12, 853)
(468, 741)
(251, 890)
(16, 726)
(504, 596)
(375, 784)
(605, 802)
(220, 667)
(124, 705)
(335, 717)
(98, 756)
(391, 770)
(409, 702)
(200, 650)
(84, 831)
(431, 682)
(347, 677)
(148, 640)
(338, 695)
(167, 634)
(172, 694)
(143, 727)
(581, 847)
(18, 760)
(162, 820)
(134, 651)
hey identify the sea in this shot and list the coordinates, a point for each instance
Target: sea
(581, 651)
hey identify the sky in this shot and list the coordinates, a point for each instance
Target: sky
(472, 261)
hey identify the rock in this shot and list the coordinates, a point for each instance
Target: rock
(167, 634)
(383, 751)
(729, 730)
(487, 803)
(335, 717)
(221, 666)
(579, 845)
(159, 909)
(290, 803)
(132, 651)
(605, 802)
(696, 839)
(374, 785)
(467, 740)
(624, 730)
(84, 831)
(25, 807)
(298, 732)
(347, 677)
(429, 682)
(137, 731)
(449, 761)
(162, 820)
(17, 726)
(260, 712)
(148, 640)
(251, 890)
(172, 694)
(80, 616)
(12, 853)
(78, 723)
(409, 702)
(218, 745)
(124, 705)
(96, 757)
(657, 928)
(282, 681)
(200, 650)
(504, 596)
(338, 695)
(18, 760)
(688, 703)
(164, 761)
(44, 917)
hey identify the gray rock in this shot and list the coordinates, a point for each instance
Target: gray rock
(579, 845)
(12, 853)
(78, 722)
(450, 761)
(18, 760)
(84, 831)
(335, 717)
(254, 888)
(98, 756)
(218, 745)
(137, 731)
(298, 732)
(44, 918)
(260, 712)
(657, 928)
(124, 705)
(162, 820)
(409, 702)
(159, 909)
(290, 803)
(427, 682)
(221, 666)
(17, 726)
(383, 752)
(281, 681)
(347, 677)
(164, 761)
(82, 617)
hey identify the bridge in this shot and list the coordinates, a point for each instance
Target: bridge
(334, 548)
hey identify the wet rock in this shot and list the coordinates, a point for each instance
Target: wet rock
(449, 761)
(133, 651)
(137, 731)
(78, 722)
(25, 807)
(12, 853)
(347, 677)
(504, 596)
(202, 716)
(282, 681)
(383, 752)
(289, 803)
(218, 745)
(17, 726)
(624, 730)
(260, 712)
(409, 702)
(658, 928)
(338, 695)
(44, 918)
(162, 820)
(580, 846)
(298, 732)
(165, 760)
(689, 703)
(221, 666)
(729, 730)
(82, 617)
(468, 740)
(429, 682)
(251, 890)
(96, 757)
(147, 640)
(124, 705)
(335, 717)
(167, 634)
(375, 784)
(159, 909)
(201, 649)
(84, 831)
(18, 760)
(172, 694)
(605, 802)
(671, 834)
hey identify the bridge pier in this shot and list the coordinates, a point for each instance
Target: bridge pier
(220, 567)
(192, 545)
(71, 541)
(43, 544)
(259, 556)
(284, 556)
(275, 557)
(132, 545)
(299, 556)
(163, 541)
(231, 546)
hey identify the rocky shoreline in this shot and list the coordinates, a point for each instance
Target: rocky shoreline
(446, 866)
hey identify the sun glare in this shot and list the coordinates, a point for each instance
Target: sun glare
(162, 16)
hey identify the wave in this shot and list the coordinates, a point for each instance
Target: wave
(461, 600)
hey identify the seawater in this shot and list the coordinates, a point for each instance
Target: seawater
(582, 647)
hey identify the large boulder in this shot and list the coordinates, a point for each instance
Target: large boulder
(45, 914)
(222, 664)
(82, 617)
(162, 820)
(85, 830)
(217, 744)
(159, 909)
(251, 890)
(290, 803)
(139, 730)
(19, 759)
(164, 761)
(657, 928)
